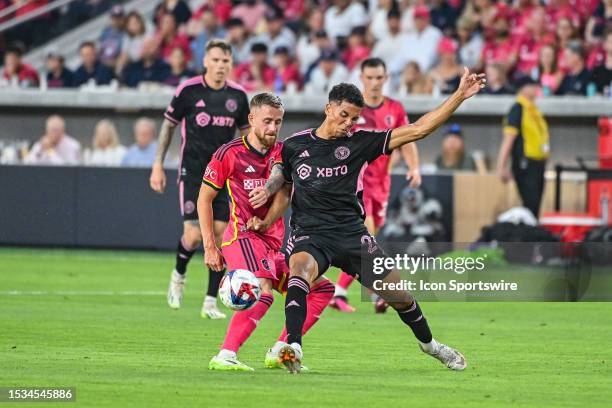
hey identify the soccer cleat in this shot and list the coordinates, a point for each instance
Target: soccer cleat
(450, 357)
(211, 311)
(290, 356)
(227, 364)
(380, 306)
(341, 304)
(272, 360)
(176, 289)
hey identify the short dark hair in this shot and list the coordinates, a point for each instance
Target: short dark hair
(221, 44)
(346, 92)
(259, 48)
(14, 50)
(266, 99)
(87, 44)
(373, 63)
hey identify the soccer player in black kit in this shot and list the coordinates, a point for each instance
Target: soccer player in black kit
(323, 167)
(209, 108)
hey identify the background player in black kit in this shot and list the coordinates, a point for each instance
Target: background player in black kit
(209, 109)
(325, 166)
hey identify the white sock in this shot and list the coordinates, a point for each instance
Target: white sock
(430, 347)
(224, 353)
(277, 346)
(210, 299)
(340, 291)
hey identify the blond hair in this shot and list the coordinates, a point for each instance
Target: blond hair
(105, 127)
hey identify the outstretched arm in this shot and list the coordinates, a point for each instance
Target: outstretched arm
(260, 195)
(157, 181)
(469, 86)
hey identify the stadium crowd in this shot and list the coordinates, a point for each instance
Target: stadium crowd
(297, 45)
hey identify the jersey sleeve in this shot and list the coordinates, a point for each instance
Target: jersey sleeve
(175, 112)
(512, 122)
(285, 159)
(217, 171)
(402, 117)
(243, 117)
(373, 144)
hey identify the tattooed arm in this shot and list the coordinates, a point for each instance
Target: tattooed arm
(260, 195)
(157, 181)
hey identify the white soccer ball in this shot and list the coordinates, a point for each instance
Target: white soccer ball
(239, 289)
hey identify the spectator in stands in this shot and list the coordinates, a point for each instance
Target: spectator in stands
(499, 47)
(420, 46)
(169, 38)
(597, 23)
(179, 9)
(443, 16)
(111, 38)
(357, 49)
(256, 75)
(577, 79)
(470, 42)
(150, 68)
(251, 12)
(386, 47)
(276, 35)
(602, 74)
(530, 43)
(287, 71)
(446, 75)
(311, 42)
(413, 81)
(58, 76)
(497, 80)
(238, 37)
(482, 12)
(221, 9)
(379, 27)
(210, 30)
(342, 17)
(106, 149)
(16, 72)
(453, 155)
(547, 72)
(178, 68)
(526, 140)
(142, 153)
(328, 72)
(55, 147)
(136, 31)
(566, 32)
(91, 70)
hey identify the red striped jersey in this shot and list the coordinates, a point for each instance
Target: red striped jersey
(242, 168)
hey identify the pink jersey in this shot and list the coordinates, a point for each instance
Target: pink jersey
(242, 168)
(388, 115)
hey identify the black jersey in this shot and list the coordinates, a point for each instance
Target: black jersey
(208, 119)
(327, 177)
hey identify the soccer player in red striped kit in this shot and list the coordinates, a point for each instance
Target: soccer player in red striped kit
(248, 243)
(379, 112)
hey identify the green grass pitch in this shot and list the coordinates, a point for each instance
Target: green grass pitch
(98, 321)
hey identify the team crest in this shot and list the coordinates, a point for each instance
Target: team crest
(189, 207)
(342, 152)
(202, 119)
(231, 105)
(389, 121)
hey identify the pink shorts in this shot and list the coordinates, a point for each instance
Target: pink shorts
(375, 203)
(250, 252)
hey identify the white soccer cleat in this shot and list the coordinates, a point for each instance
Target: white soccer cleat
(176, 289)
(448, 356)
(211, 311)
(290, 355)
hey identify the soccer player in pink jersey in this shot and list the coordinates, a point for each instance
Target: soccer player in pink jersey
(249, 243)
(379, 112)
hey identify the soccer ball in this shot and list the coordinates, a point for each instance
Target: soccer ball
(239, 289)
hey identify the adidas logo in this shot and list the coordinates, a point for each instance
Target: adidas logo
(304, 154)
(250, 169)
(200, 104)
(292, 303)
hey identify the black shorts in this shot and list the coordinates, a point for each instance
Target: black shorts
(188, 200)
(353, 252)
